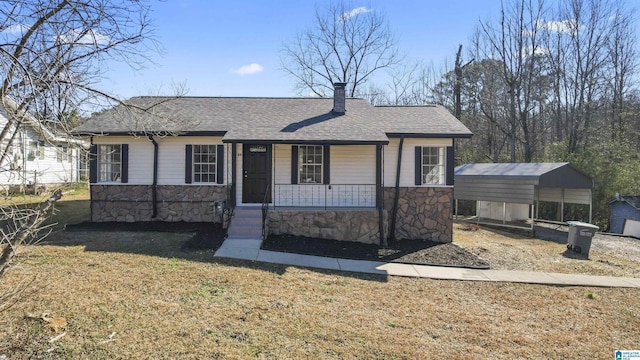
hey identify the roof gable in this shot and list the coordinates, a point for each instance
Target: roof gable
(27, 119)
(633, 201)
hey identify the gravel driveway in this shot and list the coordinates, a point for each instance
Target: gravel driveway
(622, 246)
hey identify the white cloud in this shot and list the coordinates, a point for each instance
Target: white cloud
(528, 51)
(89, 38)
(16, 29)
(354, 12)
(560, 26)
(249, 69)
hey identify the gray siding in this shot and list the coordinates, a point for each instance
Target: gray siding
(566, 177)
(571, 196)
(519, 192)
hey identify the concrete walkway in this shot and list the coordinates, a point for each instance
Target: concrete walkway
(249, 249)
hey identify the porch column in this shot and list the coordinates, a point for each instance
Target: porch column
(379, 200)
(234, 166)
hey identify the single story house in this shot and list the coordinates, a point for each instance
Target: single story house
(624, 208)
(510, 192)
(334, 168)
(36, 155)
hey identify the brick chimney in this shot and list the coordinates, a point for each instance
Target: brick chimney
(339, 106)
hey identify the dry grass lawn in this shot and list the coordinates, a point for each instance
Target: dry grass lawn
(137, 295)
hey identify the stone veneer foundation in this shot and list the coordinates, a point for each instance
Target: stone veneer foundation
(131, 203)
(347, 225)
(423, 213)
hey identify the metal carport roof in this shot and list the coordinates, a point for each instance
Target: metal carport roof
(523, 183)
(553, 175)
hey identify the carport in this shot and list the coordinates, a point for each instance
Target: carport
(515, 186)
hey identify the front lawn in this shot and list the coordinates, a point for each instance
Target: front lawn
(126, 295)
(131, 295)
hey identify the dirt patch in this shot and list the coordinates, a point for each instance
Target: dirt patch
(207, 236)
(419, 252)
(507, 249)
(624, 246)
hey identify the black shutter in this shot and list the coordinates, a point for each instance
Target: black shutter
(418, 166)
(326, 172)
(450, 164)
(93, 163)
(124, 164)
(220, 165)
(188, 163)
(294, 164)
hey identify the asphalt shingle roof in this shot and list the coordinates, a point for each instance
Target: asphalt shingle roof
(631, 200)
(275, 119)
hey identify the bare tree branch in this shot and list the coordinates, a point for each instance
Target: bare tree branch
(344, 45)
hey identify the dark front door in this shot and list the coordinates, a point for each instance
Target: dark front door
(256, 169)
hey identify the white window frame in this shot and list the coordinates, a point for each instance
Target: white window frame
(36, 150)
(63, 153)
(433, 165)
(308, 156)
(204, 163)
(109, 163)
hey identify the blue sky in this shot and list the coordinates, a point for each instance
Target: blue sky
(207, 42)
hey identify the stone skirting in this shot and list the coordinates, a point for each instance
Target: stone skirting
(130, 203)
(347, 225)
(423, 213)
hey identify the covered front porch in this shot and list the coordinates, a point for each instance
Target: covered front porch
(331, 191)
(307, 176)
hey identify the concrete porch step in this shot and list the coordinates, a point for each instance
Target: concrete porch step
(251, 243)
(241, 230)
(248, 211)
(247, 221)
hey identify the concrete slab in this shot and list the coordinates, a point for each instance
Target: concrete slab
(249, 249)
(298, 260)
(251, 243)
(587, 280)
(398, 269)
(237, 252)
(450, 273)
(528, 277)
(635, 282)
(361, 266)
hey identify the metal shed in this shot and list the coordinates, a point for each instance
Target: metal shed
(523, 183)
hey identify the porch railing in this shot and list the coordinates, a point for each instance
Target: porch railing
(320, 195)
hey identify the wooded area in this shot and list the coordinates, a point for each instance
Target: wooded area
(540, 82)
(556, 90)
(559, 90)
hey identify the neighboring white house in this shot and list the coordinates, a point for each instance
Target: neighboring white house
(324, 167)
(37, 156)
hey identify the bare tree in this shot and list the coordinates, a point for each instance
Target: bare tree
(592, 55)
(51, 60)
(426, 87)
(622, 63)
(345, 44)
(514, 41)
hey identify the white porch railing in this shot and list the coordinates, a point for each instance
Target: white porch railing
(319, 195)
